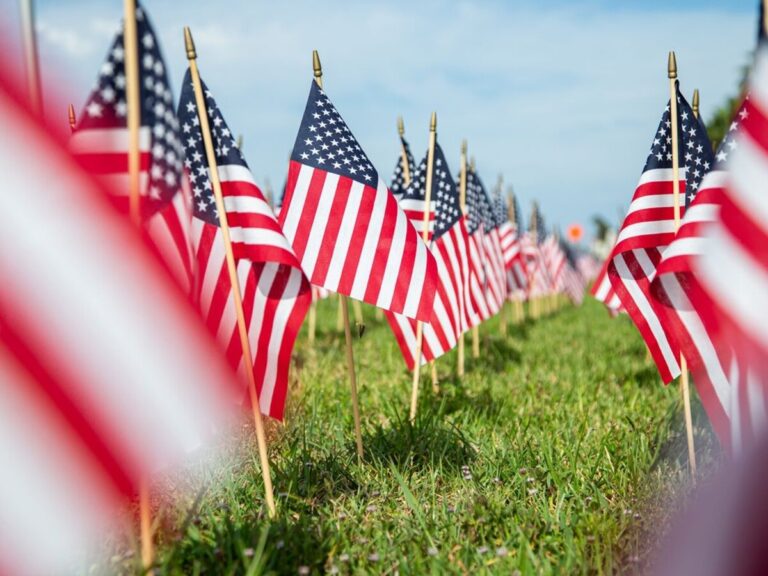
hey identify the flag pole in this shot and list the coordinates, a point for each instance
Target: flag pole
(512, 215)
(534, 301)
(133, 115)
(475, 329)
(503, 311)
(30, 56)
(343, 305)
(231, 267)
(72, 118)
(684, 384)
(425, 238)
(463, 207)
(133, 122)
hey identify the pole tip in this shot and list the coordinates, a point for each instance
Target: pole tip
(400, 126)
(72, 118)
(696, 101)
(433, 122)
(472, 163)
(189, 44)
(316, 66)
(672, 65)
(464, 146)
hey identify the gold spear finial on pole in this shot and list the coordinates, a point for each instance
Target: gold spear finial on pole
(672, 65)
(317, 68)
(72, 117)
(511, 205)
(237, 301)
(400, 126)
(472, 164)
(696, 103)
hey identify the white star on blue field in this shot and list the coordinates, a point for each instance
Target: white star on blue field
(561, 97)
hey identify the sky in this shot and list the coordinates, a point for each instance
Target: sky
(560, 98)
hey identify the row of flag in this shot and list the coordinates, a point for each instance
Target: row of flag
(141, 345)
(689, 264)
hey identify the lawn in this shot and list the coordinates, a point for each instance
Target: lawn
(559, 452)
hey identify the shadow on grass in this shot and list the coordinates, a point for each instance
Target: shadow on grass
(457, 396)
(430, 441)
(222, 543)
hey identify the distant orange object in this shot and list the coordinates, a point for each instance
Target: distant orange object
(575, 233)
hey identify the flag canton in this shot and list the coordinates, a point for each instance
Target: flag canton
(417, 189)
(489, 222)
(106, 107)
(224, 146)
(518, 216)
(728, 144)
(695, 151)
(398, 178)
(447, 211)
(537, 223)
(500, 209)
(325, 142)
(474, 208)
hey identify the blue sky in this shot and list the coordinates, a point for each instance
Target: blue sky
(562, 98)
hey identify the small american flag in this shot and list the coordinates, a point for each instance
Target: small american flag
(398, 185)
(276, 295)
(345, 226)
(412, 201)
(649, 227)
(100, 143)
(514, 262)
(717, 265)
(450, 314)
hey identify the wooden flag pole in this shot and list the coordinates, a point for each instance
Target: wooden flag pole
(403, 153)
(475, 329)
(504, 309)
(534, 301)
(463, 206)
(318, 72)
(30, 56)
(133, 121)
(684, 384)
(425, 238)
(72, 118)
(231, 268)
(133, 115)
(512, 215)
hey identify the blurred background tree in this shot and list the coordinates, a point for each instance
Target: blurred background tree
(720, 121)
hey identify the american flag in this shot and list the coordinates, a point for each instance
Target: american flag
(538, 281)
(276, 295)
(100, 143)
(514, 259)
(603, 291)
(723, 248)
(478, 281)
(412, 201)
(649, 227)
(450, 247)
(106, 373)
(398, 185)
(345, 226)
(573, 282)
(488, 277)
(709, 363)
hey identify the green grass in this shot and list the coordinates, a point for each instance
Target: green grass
(558, 453)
